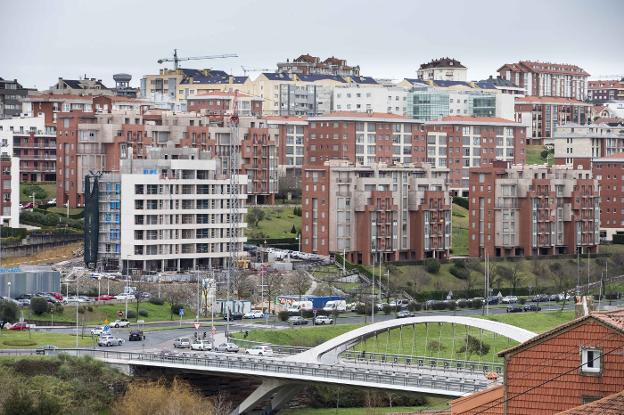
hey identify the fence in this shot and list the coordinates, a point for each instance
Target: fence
(37, 242)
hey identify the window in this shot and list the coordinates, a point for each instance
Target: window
(591, 361)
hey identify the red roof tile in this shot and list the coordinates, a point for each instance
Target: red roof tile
(355, 114)
(462, 118)
(609, 405)
(532, 99)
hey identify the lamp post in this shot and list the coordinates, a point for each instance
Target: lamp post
(299, 241)
(9, 284)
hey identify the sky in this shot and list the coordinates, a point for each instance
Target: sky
(42, 40)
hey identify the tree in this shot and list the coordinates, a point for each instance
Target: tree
(241, 285)
(39, 192)
(39, 305)
(177, 294)
(299, 282)
(8, 312)
(432, 265)
(293, 229)
(148, 398)
(512, 275)
(273, 282)
(254, 216)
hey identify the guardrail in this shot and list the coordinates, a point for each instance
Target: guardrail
(433, 363)
(277, 348)
(396, 378)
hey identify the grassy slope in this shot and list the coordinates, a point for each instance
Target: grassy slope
(434, 403)
(460, 231)
(402, 341)
(41, 339)
(50, 189)
(277, 223)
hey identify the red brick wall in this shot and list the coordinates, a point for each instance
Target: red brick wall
(535, 368)
(611, 193)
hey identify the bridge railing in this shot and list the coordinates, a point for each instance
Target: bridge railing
(277, 348)
(397, 378)
(425, 362)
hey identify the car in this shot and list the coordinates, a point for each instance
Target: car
(50, 299)
(532, 307)
(146, 295)
(254, 314)
(108, 340)
(297, 321)
(136, 336)
(493, 300)
(57, 295)
(201, 345)
(52, 201)
(260, 351)
(125, 296)
(46, 348)
(23, 302)
(233, 316)
(321, 320)
(28, 205)
(96, 331)
(120, 323)
(514, 309)
(182, 343)
(404, 314)
(227, 347)
(553, 297)
(74, 299)
(22, 325)
(540, 298)
(104, 297)
(510, 299)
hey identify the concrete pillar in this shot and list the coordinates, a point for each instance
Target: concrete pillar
(282, 390)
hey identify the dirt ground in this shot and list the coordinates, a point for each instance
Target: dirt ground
(45, 257)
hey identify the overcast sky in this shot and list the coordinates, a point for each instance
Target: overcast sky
(41, 40)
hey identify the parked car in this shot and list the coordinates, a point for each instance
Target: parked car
(97, 331)
(260, 351)
(22, 325)
(104, 297)
(493, 300)
(297, 321)
(136, 336)
(233, 316)
(514, 309)
(120, 323)
(321, 320)
(254, 314)
(553, 297)
(201, 345)
(404, 314)
(510, 299)
(109, 340)
(28, 205)
(52, 201)
(46, 348)
(58, 296)
(74, 299)
(532, 307)
(227, 347)
(125, 296)
(23, 302)
(540, 298)
(182, 343)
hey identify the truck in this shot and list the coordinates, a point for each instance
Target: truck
(318, 301)
(339, 306)
(297, 306)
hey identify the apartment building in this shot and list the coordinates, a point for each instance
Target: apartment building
(9, 190)
(444, 69)
(545, 79)
(578, 145)
(84, 86)
(376, 212)
(367, 98)
(291, 132)
(312, 65)
(459, 143)
(609, 171)
(97, 142)
(363, 138)
(543, 115)
(599, 92)
(11, 95)
(532, 211)
(169, 211)
(306, 98)
(218, 104)
(34, 144)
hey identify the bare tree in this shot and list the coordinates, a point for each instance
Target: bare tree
(241, 285)
(178, 294)
(221, 404)
(273, 282)
(299, 282)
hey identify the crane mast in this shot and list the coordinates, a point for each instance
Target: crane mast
(176, 60)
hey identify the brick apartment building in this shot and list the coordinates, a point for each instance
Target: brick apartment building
(11, 95)
(545, 79)
(290, 151)
(609, 171)
(577, 145)
(543, 115)
(575, 368)
(312, 65)
(376, 212)
(532, 211)
(9, 190)
(97, 142)
(219, 103)
(611, 90)
(459, 143)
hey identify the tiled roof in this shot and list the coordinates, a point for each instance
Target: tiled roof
(320, 77)
(609, 405)
(363, 80)
(355, 114)
(533, 99)
(418, 82)
(58, 97)
(486, 120)
(492, 83)
(613, 319)
(272, 76)
(307, 58)
(612, 83)
(544, 67)
(442, 63)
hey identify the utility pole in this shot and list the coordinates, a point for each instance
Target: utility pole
(373, 297)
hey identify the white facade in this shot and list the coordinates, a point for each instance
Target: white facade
(10, 215)
(391, 100)
(175, 213)
(448, 73)
(589, 141)
(21, 125)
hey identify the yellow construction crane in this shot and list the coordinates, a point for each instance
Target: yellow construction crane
(176, 59)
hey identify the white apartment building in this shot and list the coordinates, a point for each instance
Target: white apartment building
(391, 100)
(174, 212)
(577, 145)
(445, 69)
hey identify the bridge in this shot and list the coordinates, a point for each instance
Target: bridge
(333, 362)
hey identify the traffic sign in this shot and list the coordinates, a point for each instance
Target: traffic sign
(107, 328)
(106, 321)
(214, 331)
(181, 312)
(196, 326)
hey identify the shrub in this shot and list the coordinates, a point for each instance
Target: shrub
(175, 308)
(460, 272)
(414, 306)
(39, 305)
(387, 309)
(58, 308)
(307, 313)
(282, 315)
(131, 314)
(476, 303)
(143, 313)
(522, 300)
(432, 265)
(17, 233)
(293, 229)
(90, 308)
(462, 303)
(8, 311)
(156, 301)
(19, 343)
(474, 345)
(82, 309)
(435, 346)
(461, 201)
(451, 305)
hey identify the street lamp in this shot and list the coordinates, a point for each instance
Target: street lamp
(9, 284)
(299, 240)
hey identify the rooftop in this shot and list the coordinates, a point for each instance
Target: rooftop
(609, 405)
(544, 67)
(456, 119)
(533, 99)
(362, 115)
(442, 63)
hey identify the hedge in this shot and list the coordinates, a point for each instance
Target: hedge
(618, 238)
(17, 233)
(461, 201)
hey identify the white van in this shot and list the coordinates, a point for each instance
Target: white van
(298, 306)
(335, 305)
